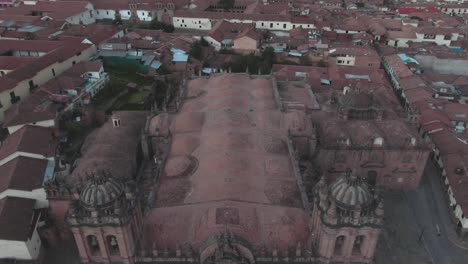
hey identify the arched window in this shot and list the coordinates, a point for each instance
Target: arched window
(372, 177)
(93, 245)
(339, 244)
(357, 246)
(113, 245)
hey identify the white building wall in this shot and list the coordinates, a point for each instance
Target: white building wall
(439, 39)
(400, 43)
(205, 23)
(25, 250)
(24, 154)
(213, 42)
(104, 14)
(85, 18)
(125, 14)
(145, 15)
(192, 23)
(347, 60)
(45, 123)
(39, 195)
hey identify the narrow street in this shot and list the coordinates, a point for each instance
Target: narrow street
(432, 215)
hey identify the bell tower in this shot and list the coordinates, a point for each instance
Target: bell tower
(346, 220)
(105, 219)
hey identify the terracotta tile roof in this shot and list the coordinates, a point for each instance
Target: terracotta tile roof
(456, 112)
(94, 32)
(242, 159)
(16, 215)
(398, 66)
(58, 10)
(100, 151)
(34, 108)
(12, 63)
(456, 167)
(224, 29)
(29, 139)
(66, 51)
(83, 67)
(22, 173)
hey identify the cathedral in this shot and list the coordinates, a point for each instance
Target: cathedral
(217, 177)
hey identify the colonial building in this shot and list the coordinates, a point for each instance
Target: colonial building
(213, 179)
(105, 219)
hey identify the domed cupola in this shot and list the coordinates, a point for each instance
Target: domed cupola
(350, 192)
(101, 191)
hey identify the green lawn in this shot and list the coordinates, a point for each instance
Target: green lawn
(136, 97)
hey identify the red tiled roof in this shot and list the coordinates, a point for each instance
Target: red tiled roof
(16, 215)
(58, 10)
(457, 176)
(22, 173)
(29, 139)
(95, 33)
(34, 108)
(66, 51)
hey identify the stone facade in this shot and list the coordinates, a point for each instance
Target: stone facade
(346, 220)
(105, 219)
(182, 203)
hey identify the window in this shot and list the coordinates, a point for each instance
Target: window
(2, 73)
(371, 177)
(284, 25)
(271, 25)
(113, 245)
(339, 243)
(53, 72)
(97, 12)
(429, 36)
(93, 245)
(116, 122)
(357, 246)
(107, 12)
(128, 12)
(13, 98)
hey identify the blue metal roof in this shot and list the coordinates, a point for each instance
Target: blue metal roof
(156, 64)
(49, 173)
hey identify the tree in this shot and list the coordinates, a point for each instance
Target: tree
(117, 21)
(321, 63)
(155, 24)
(226, 4)
(196, 51)
(305, 60)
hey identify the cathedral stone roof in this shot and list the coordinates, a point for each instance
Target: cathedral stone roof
(350, 191)
(228, 166)
(101, 191)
